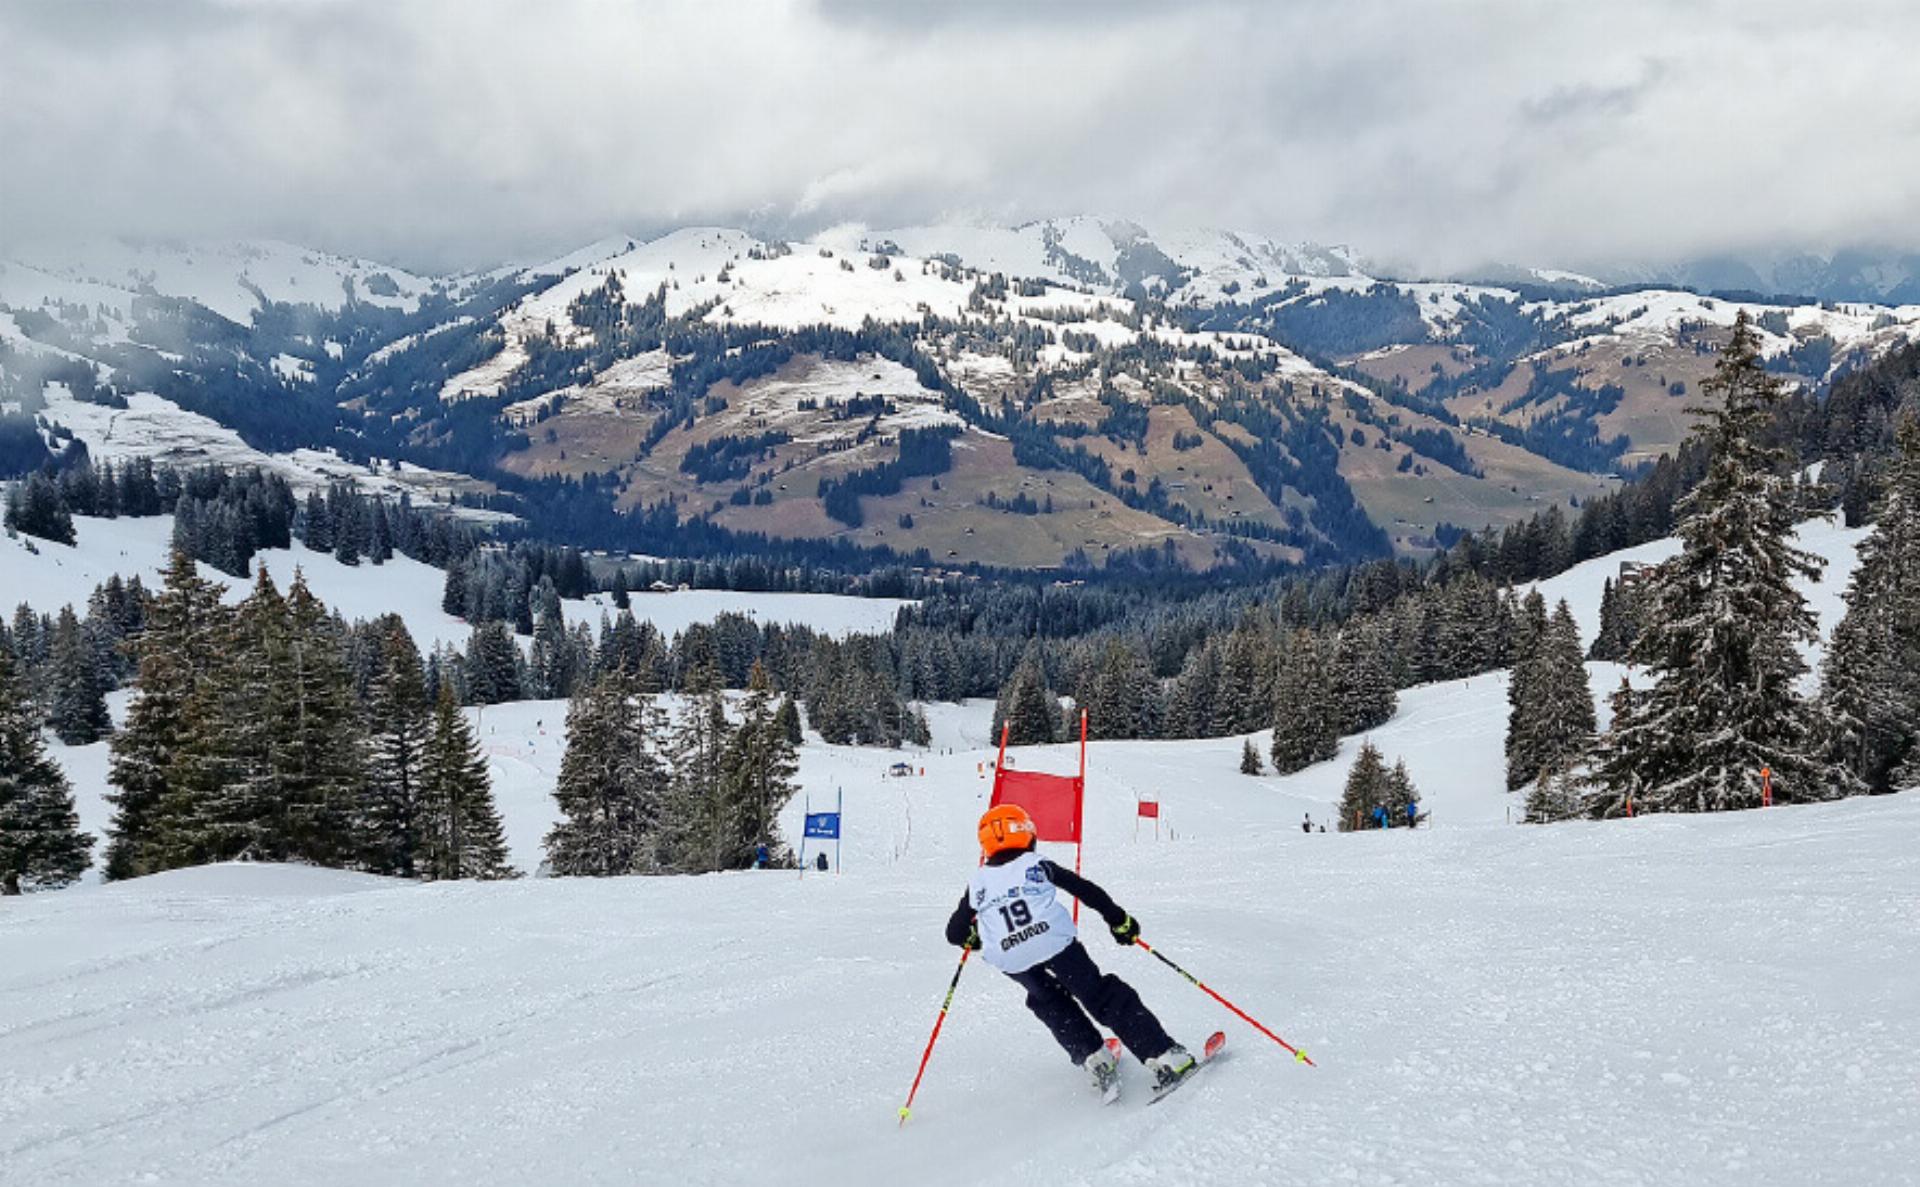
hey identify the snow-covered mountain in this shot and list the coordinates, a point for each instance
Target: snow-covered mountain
(1110, 387)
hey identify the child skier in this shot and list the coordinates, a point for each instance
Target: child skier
(1011, 912)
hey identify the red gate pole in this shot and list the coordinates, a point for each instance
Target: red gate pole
(1080, 811)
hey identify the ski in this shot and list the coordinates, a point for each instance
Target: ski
(1216, 1046)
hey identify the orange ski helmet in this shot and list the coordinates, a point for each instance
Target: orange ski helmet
(1006, 826)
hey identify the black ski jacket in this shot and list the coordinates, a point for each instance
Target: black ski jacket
(960, 923)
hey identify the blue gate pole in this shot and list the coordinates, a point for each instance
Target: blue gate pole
(839, 824)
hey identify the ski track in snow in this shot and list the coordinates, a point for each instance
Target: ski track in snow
(1667, 1000)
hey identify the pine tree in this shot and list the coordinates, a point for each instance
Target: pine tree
(760, 770)
(1305, 726)
(35, 508)
(1401, 793)
(1121, 704)
(1551, 720)
(320, 752)
(1363, 695)
(223, 794)
(699, 828)
(176, 654)
(1250, 763)
(399, 727)
(41, 845)
(788, 719)
(77, 712)
(1027, 708)
(1555, 795)
(1369, 785)
(460, 830)
(1720, 641)
(1870, 681)
(612, 789)
(1190, 708)
(493, 667)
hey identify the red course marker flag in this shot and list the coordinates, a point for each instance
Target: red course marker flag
(1150, 809)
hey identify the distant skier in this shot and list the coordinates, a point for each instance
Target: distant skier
(1380, 818)
(1012, 912)
(1306, 823)
(761, 857)
(820, 862)
(1413, 813)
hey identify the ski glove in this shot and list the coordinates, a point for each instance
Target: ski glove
(1126, 931)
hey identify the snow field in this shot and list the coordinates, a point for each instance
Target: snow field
(1667, 1000)
(57, 575)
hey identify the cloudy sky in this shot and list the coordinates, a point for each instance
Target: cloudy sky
(1434, 133)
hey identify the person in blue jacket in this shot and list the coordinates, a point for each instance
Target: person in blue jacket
(1413, 813)
(1380, 815)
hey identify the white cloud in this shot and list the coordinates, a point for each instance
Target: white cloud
(438, 131)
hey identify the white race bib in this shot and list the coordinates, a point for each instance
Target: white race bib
(1022, 920)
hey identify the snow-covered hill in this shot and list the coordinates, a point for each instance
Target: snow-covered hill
(1661, 1000)
(230, 277)
(46, 576)
(1664, 1000)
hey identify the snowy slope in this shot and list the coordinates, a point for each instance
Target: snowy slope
(1662, 1000)
(1665, 1000)
(54, 575)
(229, 277)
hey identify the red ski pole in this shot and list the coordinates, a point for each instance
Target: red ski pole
(906, 1110)
(1243, 1015)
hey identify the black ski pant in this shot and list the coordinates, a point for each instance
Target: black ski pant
(1057, 988)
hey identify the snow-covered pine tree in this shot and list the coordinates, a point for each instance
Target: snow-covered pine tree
(1401, 793)
(1363, 692)
(698, 827)
(177, 652)
(1524, 691)
(41, 845)
(1305, 729)
(788, 719)
(612, 788)
(1551, 722)
(1244, 695)
(494, 664)
(1870, 681)
(1720, 640)
(1620, 619)
(760, 770)
(1564, 722)
(1250, 763)
(1190, 707)
(224, 795)
(553, 666)
(1555, 795)
(1369, 785)
(77, 706)
(1026, 706)
(319, 751)
(1122, 703)
(460, 831)
(398, 729)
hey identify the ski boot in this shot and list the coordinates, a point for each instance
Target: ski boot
(1105, 1072)
(1171, 1066)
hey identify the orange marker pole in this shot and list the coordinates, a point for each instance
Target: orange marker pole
(906, 1110)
